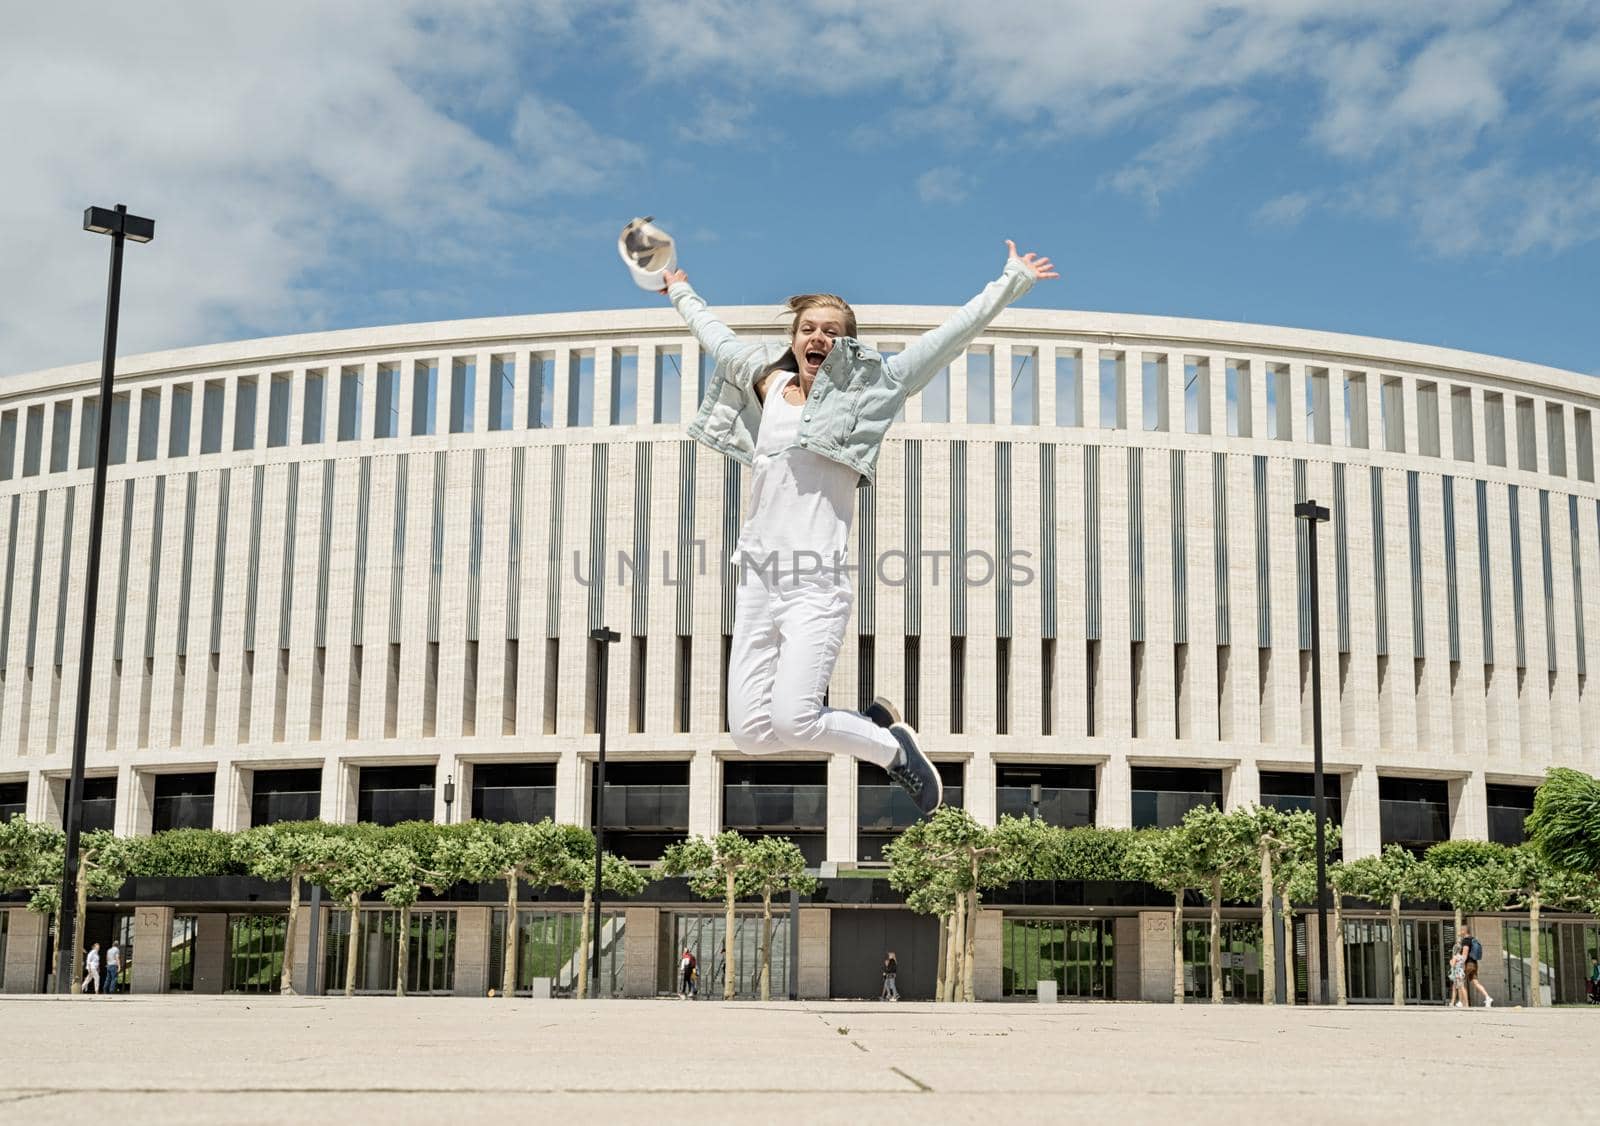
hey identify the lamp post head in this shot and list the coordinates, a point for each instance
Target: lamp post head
(449, 788)
(1311, 510)
(605, 634)
(115, 221)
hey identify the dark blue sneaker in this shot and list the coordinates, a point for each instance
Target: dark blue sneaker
(882, 712)
(914, 773)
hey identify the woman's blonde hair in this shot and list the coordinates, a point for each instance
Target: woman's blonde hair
(801, 302)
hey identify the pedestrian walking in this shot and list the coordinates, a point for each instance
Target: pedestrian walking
(91, 971)
(1458, 979)
(1594, 983)
(891, 967)
(688, 973)
(113, 967)
(808, 417)
(1472, 950)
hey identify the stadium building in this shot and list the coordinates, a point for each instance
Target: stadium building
(352, 576)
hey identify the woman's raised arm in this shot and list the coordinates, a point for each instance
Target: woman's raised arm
(716, 339)
(924, 357)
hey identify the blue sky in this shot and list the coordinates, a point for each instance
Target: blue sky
(1422, 172)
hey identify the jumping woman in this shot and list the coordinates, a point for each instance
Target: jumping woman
(809, 417)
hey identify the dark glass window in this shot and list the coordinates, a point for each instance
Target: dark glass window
(647, 807)
(183, 801)
(1509, 807)
(518, 791)
(13, 800)
(1066, 793)
(1163, 795)
(99, 803)
(788, 799)
(884, 810)
(286, 795)
(392, 794)
(1294, 790)
(1413, 812)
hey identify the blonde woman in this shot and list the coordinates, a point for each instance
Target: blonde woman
(808, 417)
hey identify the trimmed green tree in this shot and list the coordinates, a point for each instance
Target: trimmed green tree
(775, 866)
(295, 852)
(31, 858)
(1565, 823)
(1165, 858)
(359, 865)
(1387, 878)
(1533, 883)
(713, 869)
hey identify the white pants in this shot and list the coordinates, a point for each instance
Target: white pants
(786, 637)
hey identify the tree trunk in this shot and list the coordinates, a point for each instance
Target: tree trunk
(1336, 950)
(1397, 950)
(730, 976)
(583, 943)
(402, 950)
(1269, 933)
(353, 945)
(82, 897)
(1290, 962)
(1535, 993)
(766, 945)
(957, 941)
(1177, 948)
(969, 955)
(508, 975)
(286, 983)
(1216, 941)
(944, 953)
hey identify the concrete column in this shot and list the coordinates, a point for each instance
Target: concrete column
(642, 968)
(705, 783)
(27, 936)
(989, 951)
(1114, 797)
(816, 953)
(841, 827)
(1130, 958)
(472, 951)
(210, 952)
(152, 938)
(1242, 784)
(1469, 808)
(1154, 956)
(1362, 836)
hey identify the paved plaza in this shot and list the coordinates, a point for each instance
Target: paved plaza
(240, 1060)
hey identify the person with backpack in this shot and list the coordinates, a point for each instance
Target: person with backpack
(688, 971)
(1473, 949)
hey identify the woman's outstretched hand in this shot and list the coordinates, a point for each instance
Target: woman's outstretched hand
(670, 277)
(1040, 267)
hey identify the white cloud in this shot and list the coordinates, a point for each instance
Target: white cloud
(1183, 151)
(943, 185)
(567, 154)
(1411, 102)
(1284, 210)
(718, 121)
(273, 146)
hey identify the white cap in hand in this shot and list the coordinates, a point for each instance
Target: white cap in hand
(648, 251)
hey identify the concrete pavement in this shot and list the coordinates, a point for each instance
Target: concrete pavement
(267, 1059)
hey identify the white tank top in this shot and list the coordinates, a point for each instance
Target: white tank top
(800, 502)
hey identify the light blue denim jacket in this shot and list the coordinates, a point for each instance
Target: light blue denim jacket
(857, 391)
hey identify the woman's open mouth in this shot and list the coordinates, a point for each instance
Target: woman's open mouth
(815, 358)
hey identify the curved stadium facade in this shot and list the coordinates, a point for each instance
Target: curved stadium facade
(352, 576)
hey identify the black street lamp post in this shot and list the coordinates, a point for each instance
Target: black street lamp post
(449, 796)
(121, 226)
(606, 637)
(1313, 514)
